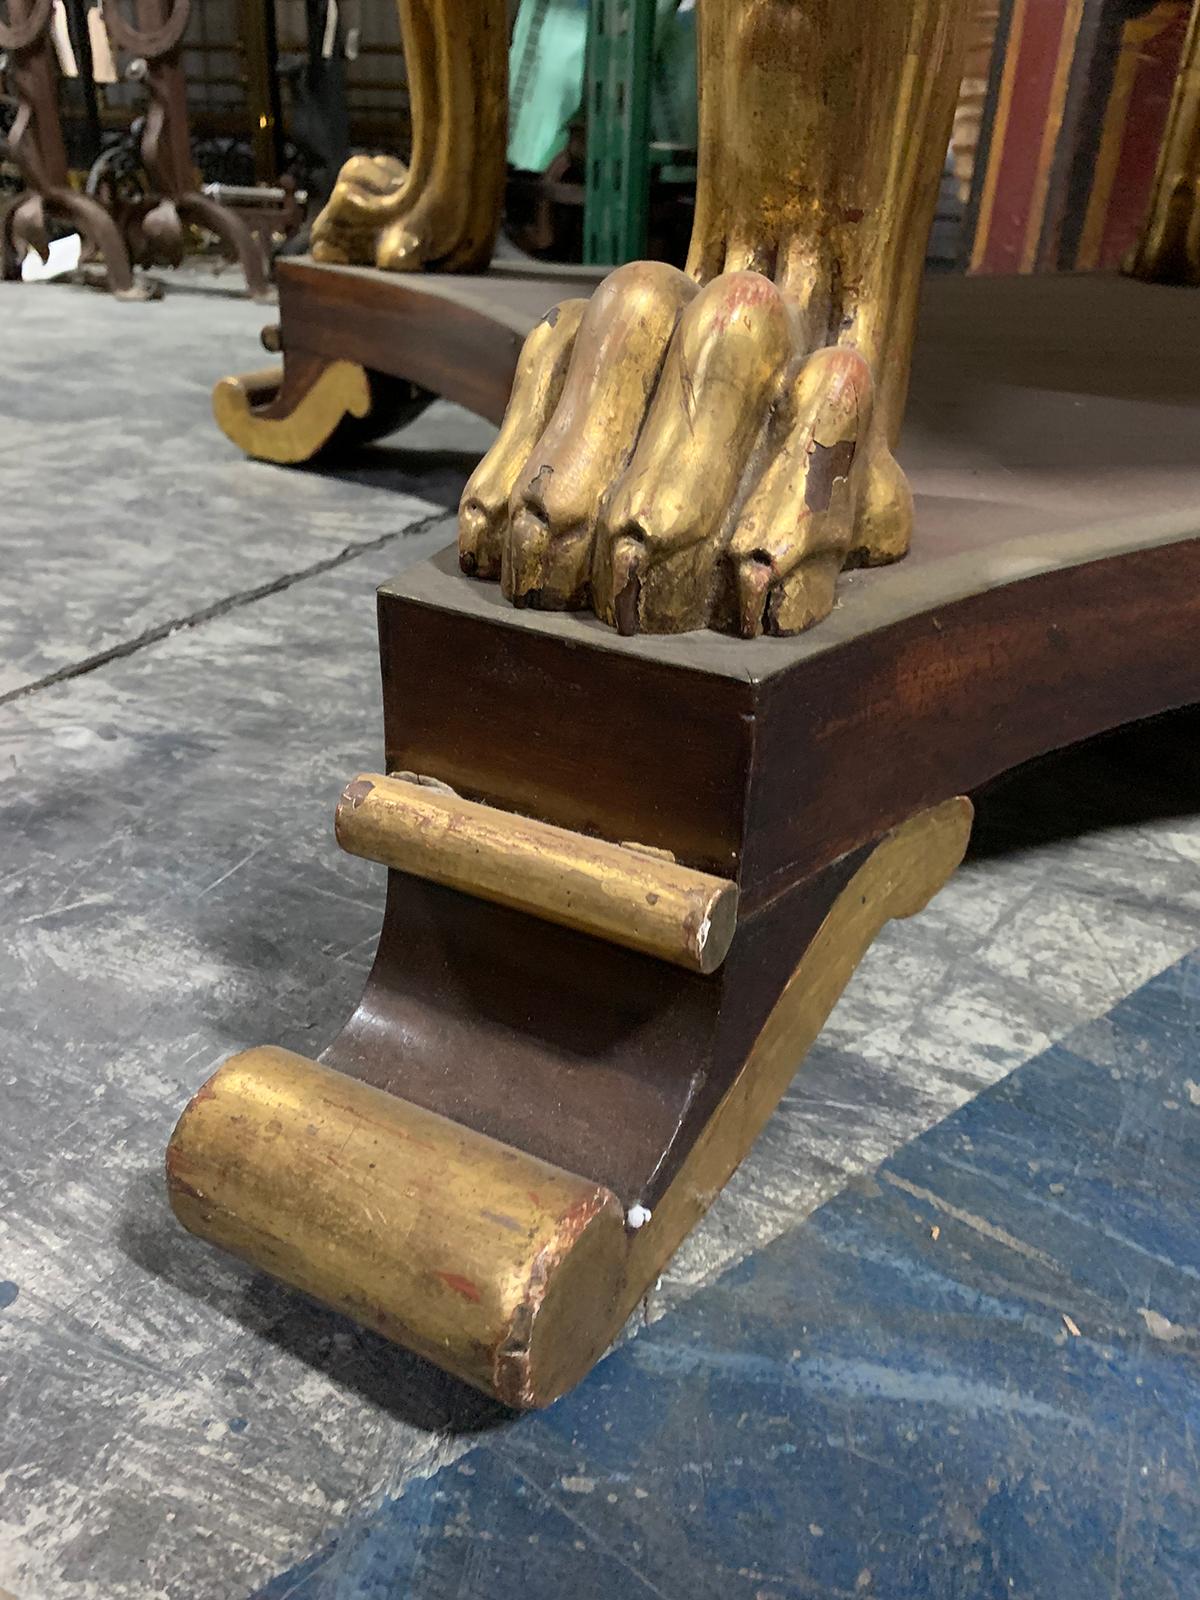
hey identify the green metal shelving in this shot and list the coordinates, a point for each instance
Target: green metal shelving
(617, 97)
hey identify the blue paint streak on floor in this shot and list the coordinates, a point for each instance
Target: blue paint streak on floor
(863, 1409)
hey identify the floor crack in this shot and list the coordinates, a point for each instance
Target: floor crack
(220, 608)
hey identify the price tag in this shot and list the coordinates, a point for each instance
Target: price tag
(104, 67)
(331, 22)
(60, 32)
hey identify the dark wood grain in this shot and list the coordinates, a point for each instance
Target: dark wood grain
(391, 324)
(603, 1061)
(592, 740)
(771, 779)
(946, 701)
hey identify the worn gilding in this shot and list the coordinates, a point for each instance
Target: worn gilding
(1168, 250)
(633, 897)
(711, 448)
(442, 209)
(505, 1270)
(498, 1266)
(898, 879)
(241, 408)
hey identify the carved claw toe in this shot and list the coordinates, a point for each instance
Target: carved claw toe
(624, 583)
(796, 525)
(541, 371)
(330, 250)
(475, 544)
(752, 578)
(399, 249)
(526, 558)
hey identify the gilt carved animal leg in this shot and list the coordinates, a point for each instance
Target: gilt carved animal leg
(443, 210)
(711, 448)
(1169, 248)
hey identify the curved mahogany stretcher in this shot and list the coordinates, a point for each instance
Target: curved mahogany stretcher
(569, 1041)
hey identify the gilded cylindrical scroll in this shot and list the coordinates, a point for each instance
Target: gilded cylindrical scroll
(498, 1266)
(632, 897)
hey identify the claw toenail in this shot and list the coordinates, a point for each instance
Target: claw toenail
(752, 579)
(627, 582)
(530, 547)
(625, 608)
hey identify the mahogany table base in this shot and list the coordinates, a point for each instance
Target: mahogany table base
(524, 1116)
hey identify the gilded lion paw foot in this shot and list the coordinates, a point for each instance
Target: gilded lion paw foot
(381, 215)
(677, 458)
(365, 222)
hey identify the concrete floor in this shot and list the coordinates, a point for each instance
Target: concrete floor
(940, 1335)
